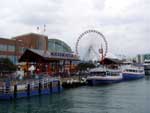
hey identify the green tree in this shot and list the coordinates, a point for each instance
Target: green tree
(6, 65)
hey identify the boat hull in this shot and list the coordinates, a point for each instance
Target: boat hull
(103, 81)
(130, 76)
(147, 70)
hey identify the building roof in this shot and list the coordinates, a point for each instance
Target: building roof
(34, 55)
(112, 61)
(57, 45)
(27, 34)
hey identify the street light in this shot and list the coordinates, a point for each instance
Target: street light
(16, 49)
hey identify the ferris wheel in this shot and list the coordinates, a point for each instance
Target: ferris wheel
(91, 45)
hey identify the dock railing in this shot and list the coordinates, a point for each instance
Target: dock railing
(22, 85)
(4, 88)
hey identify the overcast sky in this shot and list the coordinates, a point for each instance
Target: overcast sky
(124, 23)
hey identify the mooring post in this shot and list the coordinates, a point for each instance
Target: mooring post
(28, 90)
(40, 86)
(59, 87)
(50, 87)
(15, 91)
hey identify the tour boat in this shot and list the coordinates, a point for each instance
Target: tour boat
(133, 72)
(103, 75)
(147, 67)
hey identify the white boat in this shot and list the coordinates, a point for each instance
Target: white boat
(103, 75)
(132, 72)
(147, 67)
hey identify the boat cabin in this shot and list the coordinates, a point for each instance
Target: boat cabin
(104, 72)
(134, 70)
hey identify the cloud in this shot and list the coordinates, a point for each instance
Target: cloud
(125, 24)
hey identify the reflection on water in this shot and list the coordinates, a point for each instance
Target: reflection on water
(125, 97)
(147, 77)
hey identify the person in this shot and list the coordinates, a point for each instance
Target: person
(37, 71)
(20, 73)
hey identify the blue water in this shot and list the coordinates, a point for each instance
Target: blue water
(125, 97)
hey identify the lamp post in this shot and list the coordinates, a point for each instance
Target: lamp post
(16, 48)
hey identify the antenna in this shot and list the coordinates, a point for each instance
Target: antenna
(37, 29)
(41, 31)
(44, 28)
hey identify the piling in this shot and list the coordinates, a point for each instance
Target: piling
(50, 87)
(40, 87)
(59, 86)
(28, 90)
(15, 91)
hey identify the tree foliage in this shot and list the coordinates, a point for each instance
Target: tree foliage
(6, 65)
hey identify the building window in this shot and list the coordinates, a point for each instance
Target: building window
(7, 47)
(21, 49)
(3, 47)
(3, 56)
(12, 58)
(11, 48)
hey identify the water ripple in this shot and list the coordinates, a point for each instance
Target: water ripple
(125, 97)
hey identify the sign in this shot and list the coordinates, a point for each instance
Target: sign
(62, 55)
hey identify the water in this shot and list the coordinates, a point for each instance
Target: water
(125, 97)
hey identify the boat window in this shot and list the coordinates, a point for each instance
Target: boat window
(133, 70)
(115, 73)
(98, 73)
(108, 73)
(102, 73)
(128, 70)
(140, 71)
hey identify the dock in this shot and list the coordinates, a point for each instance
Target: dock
(26, 88)
(73, 82)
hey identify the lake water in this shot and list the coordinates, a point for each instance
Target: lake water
(125, 97)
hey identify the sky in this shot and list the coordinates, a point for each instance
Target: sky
(124, 23)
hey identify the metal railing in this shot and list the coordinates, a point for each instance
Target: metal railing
(23, 85)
